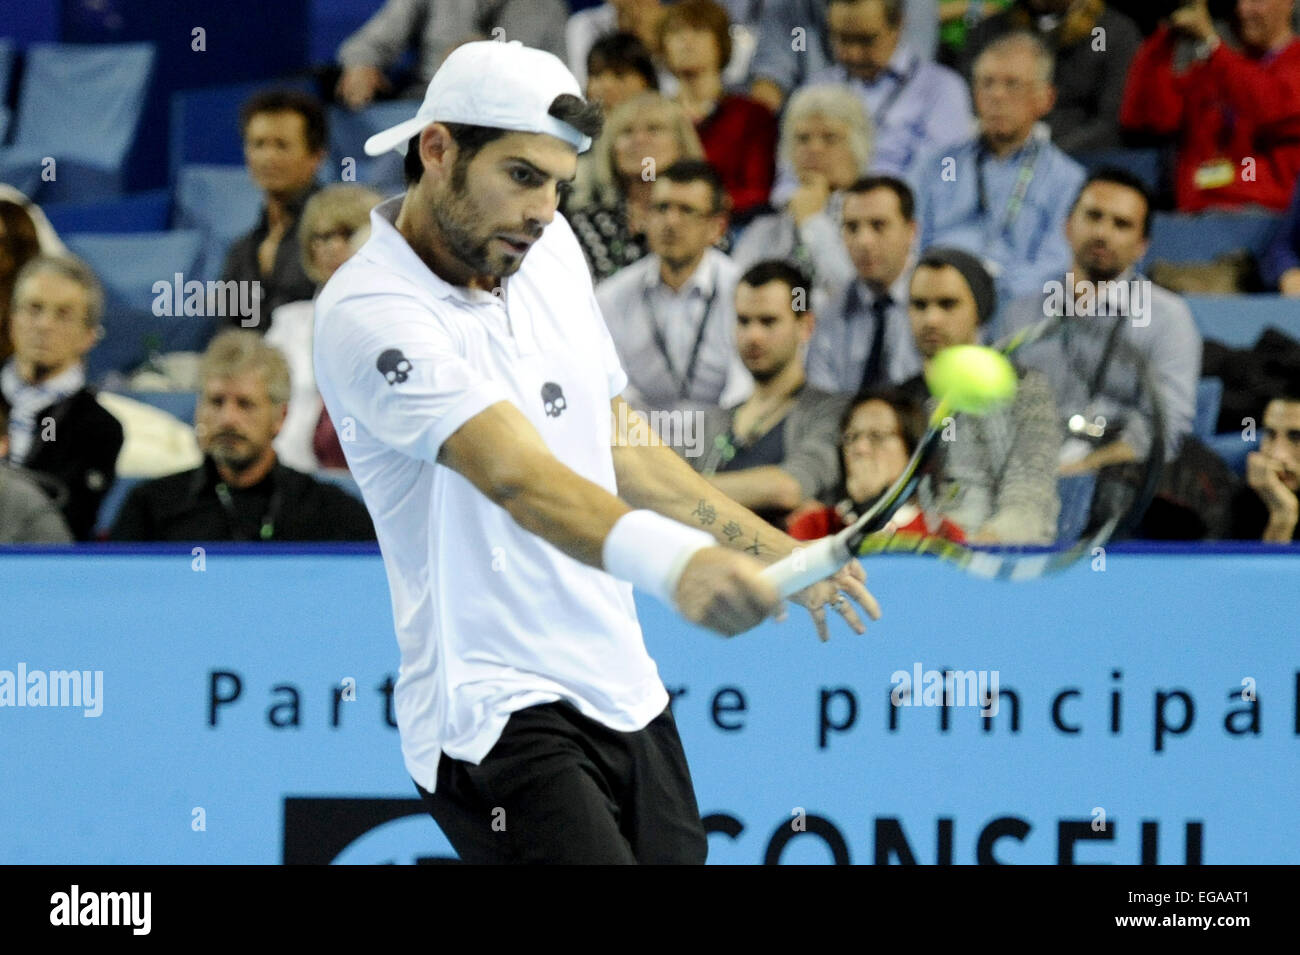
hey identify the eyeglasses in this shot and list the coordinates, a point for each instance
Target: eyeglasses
(877, 439)
(342, 232)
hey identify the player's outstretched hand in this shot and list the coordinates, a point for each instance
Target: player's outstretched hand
(839, 592)
(725, 591)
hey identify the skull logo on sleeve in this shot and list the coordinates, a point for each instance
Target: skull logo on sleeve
(553, 399)
(394, 366)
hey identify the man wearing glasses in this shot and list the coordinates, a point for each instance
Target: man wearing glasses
(672, 314)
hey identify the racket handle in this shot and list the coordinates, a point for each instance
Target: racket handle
(807, 565)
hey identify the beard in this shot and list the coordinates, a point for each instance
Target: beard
(227, 456)
(453, 218)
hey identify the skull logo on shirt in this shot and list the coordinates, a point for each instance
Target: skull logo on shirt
(553, 399)
(394, 366)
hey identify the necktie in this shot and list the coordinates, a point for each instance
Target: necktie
(874, 365)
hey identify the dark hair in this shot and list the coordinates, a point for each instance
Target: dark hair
(685, 171)
(21, 244)
(586, 118)
(699, 15)
(778, 270)
(622, 53)
(906, 198)
(982, 288)
(1120, 177)
(289, 101)
(893, 9)
(910, 414)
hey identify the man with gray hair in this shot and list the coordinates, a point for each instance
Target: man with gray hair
(826, 139)
(57, 428)
(241, 492)
(1005, 193)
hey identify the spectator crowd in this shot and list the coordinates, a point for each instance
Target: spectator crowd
(793, 206)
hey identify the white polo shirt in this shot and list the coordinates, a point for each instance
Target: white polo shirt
(489, 617)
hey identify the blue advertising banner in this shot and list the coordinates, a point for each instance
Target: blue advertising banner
(236, 708)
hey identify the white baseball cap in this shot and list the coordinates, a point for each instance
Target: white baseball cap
(491, 83)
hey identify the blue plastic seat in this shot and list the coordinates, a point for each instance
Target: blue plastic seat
(80, 106)
(205, 123)
(1076, 505)
(138, 212)
(130, 267)
(1233, 448)
(1238, 320)
(111, 506)
(1146, 164)
(1200, 237)
(7, 54)
(1209, 394)
(348, 134)
(222, 203)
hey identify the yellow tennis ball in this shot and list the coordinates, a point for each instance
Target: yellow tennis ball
(973, 378)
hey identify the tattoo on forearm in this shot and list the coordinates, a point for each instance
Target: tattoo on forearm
(753, 548)
(731, 530)
(706, 512)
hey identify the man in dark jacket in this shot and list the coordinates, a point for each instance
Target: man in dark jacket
(285, 141)
(57, 428)
(241, 492)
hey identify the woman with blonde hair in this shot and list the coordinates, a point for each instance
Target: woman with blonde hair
(335, 222)
(826, 138)
(642, 135)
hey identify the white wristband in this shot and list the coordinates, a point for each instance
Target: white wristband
(651, 551)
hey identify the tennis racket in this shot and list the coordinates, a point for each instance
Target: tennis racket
(1106, 390)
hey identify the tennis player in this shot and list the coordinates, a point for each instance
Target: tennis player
(468, 369)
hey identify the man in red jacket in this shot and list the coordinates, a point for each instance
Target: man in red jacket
(1236, 113)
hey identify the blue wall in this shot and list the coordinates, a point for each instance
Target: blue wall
(1148, 636)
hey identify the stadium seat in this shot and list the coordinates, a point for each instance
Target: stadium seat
(205, 123)
(1200, 237)
(332, 22)
(7, 51)
(348, 134)
(112, 504)
(138, 212)
(220, 202)
(1146, 164)
(7, 56)
(80, 106)
(1209, 392)
(130, 265)
(1238, 320)
(1076, 505)
(1233, 448)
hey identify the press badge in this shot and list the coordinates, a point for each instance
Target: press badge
(1215, 174)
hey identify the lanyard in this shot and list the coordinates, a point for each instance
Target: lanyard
(891, 99)
(682, 383)
(267, 530)
(1024, 176)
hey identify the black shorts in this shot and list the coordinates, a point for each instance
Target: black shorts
(561, 788)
